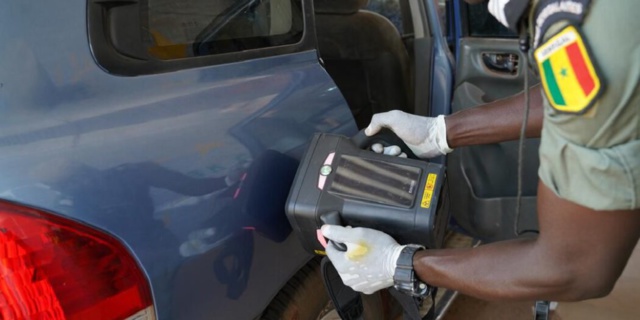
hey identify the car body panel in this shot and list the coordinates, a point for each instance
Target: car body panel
(189, 169)
(144, 158)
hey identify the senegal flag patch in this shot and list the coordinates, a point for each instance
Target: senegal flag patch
(568, 75)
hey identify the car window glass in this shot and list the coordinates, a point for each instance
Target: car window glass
(186, 28)
(441, 7)
(482, 24)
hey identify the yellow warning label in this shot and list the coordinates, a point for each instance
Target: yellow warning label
(428, 190)
(320, 252)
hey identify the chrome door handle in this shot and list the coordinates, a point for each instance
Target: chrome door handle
(501, 62)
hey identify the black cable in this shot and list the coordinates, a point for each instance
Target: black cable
(524, 47)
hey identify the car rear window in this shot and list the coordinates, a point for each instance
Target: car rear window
(136, 37)
(186, 28)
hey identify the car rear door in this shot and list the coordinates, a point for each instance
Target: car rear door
(172, 127)
(483, 178)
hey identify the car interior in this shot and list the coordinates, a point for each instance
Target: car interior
(484, 178)
(365, 55)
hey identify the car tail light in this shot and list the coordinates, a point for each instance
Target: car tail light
(54, 268)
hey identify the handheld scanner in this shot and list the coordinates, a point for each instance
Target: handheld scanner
(340, 181)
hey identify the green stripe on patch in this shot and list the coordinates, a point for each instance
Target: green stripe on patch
(552, 84)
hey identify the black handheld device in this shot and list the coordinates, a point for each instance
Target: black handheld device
(340, 181)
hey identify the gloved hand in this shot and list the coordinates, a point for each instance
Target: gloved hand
(369, 263)
(425, 136)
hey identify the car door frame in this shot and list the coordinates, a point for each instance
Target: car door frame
(483, 179)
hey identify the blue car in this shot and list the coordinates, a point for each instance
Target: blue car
(147, 147)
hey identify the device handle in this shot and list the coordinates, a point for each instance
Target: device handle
(386, 137)
(333, 218)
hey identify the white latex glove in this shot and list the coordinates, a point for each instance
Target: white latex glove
(369, 263)
(496, 8)
(425, 136)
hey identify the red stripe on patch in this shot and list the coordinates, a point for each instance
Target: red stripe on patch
(580, 68)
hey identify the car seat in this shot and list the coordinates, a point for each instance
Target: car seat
(364, 54)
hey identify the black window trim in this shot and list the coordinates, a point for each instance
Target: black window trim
(114, 62)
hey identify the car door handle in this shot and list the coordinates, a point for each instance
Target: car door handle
(501, 62)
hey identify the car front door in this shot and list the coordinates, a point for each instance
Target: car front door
(483, 178)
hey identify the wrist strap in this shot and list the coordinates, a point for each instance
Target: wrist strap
(347, 302)
(411, 305)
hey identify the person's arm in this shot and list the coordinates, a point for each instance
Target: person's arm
(579, 255)
(495, 121)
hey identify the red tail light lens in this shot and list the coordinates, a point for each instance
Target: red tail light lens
(54, 268)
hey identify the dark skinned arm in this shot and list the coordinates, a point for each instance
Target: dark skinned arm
(496, 121)
(579, 254)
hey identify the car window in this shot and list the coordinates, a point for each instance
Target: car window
(441, 7)
(187, 28)
(482, 24)
(156, 36)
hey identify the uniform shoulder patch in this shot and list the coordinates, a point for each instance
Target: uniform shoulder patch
(569, 77)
